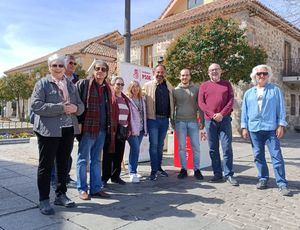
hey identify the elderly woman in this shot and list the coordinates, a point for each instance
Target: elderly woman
(138, 123)
(98, 123)
(111, 163)
(263, 120)
(55, 103)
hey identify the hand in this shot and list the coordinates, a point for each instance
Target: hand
(245, 133)
(70, 108)
(279, 132)
(201, 126)
(80, 127)
(218, 117)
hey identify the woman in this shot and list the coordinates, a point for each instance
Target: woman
(55, 103)
(138, 123)
(112, 161)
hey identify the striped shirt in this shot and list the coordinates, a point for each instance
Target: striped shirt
(123, 111)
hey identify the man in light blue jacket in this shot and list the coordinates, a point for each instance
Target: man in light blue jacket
(263, 120)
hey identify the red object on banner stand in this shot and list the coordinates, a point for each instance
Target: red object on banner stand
(189, 153)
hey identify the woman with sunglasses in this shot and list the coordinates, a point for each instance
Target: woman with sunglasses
(55, 103)
(112, 161)
(138, 123)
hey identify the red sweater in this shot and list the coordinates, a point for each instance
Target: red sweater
(216, 97)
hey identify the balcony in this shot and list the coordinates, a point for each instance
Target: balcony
(291, 71)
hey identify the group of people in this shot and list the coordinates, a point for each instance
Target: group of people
(102, 117)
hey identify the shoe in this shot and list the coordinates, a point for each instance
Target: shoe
(53, 184)
(84, 195)
(216, 179)
(284, 191)
(182, 174)
(104, 184)
(231, 180)
(262, 184)
(101, 194)
(118, 181)
(134, 178)
(63, 200)
(198, 175)
(45, 207)
(138, 175)
(153, 176)
(163, 173)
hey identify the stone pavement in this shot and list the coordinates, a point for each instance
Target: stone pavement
(168, 203)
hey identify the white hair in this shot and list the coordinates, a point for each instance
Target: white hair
(56, 57)
(254, 71)
(90, 70)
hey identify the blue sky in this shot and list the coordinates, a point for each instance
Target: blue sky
(32, 28)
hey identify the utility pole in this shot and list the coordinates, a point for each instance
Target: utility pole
(127, 34)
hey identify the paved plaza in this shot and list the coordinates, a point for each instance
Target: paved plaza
(167, 203)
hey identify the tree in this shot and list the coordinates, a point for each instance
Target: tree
(220, 41)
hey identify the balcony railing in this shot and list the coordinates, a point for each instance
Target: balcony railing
(291, 67)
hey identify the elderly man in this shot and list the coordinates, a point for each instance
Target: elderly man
(159, 104)
(263, 119)
(186, 108)
(216, 101)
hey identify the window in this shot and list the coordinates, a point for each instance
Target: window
(194, 3)
(147, 60)
(293, 104)
(287, 58)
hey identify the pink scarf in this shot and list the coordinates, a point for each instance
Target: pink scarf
(62, 85)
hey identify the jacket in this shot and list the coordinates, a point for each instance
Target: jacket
(135, 117)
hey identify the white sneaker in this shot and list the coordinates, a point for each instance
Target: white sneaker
(134, 178)
(138, 175)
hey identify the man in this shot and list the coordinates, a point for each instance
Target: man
(186, 108)
(263, 120)
(216, 101)
(159, 104)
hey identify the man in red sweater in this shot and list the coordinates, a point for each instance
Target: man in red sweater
(216, 101)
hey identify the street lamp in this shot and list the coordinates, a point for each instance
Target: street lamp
(127, 34)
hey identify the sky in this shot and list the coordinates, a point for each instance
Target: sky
(30, 29)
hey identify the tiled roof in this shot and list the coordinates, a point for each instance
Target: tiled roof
(94, 45)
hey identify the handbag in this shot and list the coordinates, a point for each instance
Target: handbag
(122, 133)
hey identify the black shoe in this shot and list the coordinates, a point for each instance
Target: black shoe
(153, 176)
(182, 174)
(262, 184)
(118, 181)
(63, 200)
(198, 175)
(231, 180)
(162, 173)
(216, 179)
(45, 207)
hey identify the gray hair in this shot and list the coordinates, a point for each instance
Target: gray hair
(69, 57)
(113, 81)
(254, 71)
(56, 57)
(90, 70)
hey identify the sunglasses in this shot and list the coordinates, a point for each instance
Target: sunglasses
(262, 73)
(56, 65)
(72, 63)
(103, 69)
(120, 84)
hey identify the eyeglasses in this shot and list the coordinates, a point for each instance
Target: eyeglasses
(72, 63)
(56, 65)
(103, 69)
(120, 84)
(262, 73)
(211, 70)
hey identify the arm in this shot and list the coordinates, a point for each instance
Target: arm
(229, 105)
(244, 119)
(202, 103)
(281, 114)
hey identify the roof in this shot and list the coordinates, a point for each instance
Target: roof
(209, 11)
(98, 46)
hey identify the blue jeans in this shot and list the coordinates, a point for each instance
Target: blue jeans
(190, 128)
(134, 142)
(90, 148)
(157, 133)
(259, 140)
(220, 131)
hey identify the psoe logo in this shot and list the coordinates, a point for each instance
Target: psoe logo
(136, 74)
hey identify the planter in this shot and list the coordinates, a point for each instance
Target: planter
(14, 141)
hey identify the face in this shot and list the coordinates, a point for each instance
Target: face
(159, 73)
(100, 72)
(262, 76)
(118, 86)
(214, 72)
(185, 76)
(57, 69)
(135, 89)
(71, 66)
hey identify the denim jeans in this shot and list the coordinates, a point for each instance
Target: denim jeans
(157, 133)
(220, 131)
(90, 148)
(134, 142)
(259, 140)
(190, 128)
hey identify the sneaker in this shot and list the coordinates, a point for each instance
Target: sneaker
(163, 173)
(63, 200)
(45, 207)
(101, 194)
(216, 179)
(231, 180)
(284, 191)
(262, 184)
(182, 174)
(134, 178)
(84, 195)
(118, 181)
(198, 175)
(153, 176)
(138, 175)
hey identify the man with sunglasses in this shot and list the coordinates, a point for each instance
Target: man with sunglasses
(263, 120)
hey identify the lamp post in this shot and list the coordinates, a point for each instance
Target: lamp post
(127, 34)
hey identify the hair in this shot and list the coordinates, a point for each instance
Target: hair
(129, 89)
(56, 57)
(161, 66)
(68, 58)
(254, 71)
(113, 81)
(90, 70)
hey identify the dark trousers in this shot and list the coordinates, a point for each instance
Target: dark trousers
(111, 162)
(51, 148)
